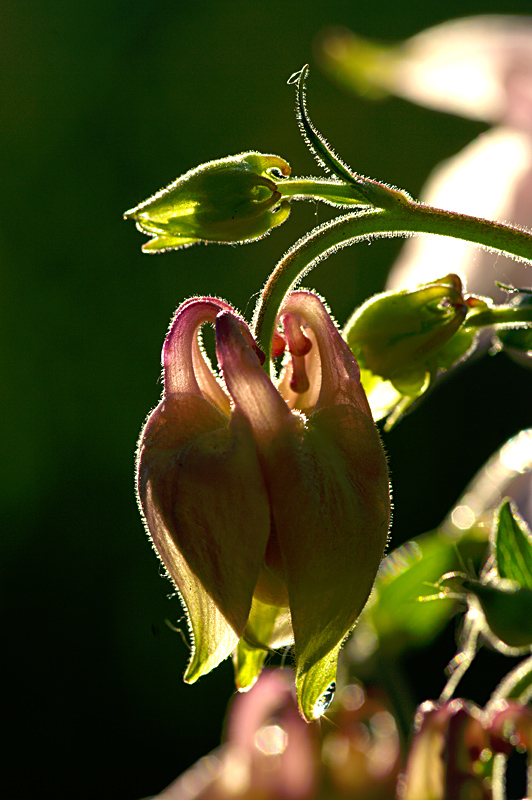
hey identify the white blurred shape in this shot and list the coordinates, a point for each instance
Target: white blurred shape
(490, 178)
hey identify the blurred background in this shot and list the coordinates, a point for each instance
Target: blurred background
(103, 102)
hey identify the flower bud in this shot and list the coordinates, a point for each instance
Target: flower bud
(234, 199)
(507, 610)
(400, 335)
(402, 340)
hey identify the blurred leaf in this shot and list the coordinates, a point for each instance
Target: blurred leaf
(398, 616)
(513, 547)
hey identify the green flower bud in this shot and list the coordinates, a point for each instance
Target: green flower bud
(399, 335)
(234, 199)
(402, 340)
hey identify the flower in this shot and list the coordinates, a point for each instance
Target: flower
(268, 754)
(269, 506)
(234, 199)
(478, 67)
(452, 752)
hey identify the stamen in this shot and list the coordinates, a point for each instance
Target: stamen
(299, 381)
(298, 343)
(299, 346)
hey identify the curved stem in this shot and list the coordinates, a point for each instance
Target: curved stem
(513, 685)
(400, 218)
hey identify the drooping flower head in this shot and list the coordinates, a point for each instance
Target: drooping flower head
(269, 506)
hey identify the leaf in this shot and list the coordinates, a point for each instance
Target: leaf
(513, 547)
(398, 617)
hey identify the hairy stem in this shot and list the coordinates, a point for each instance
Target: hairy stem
(401, 218)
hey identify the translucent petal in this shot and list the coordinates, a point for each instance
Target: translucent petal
(160, 244)
(315, 685)
(207, 511)
(249, 386)
(328, 486)
(248, 662)
(268, 628)
(340, 375)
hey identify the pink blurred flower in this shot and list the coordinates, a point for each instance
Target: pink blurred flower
(270, 752)
(446, 754)
(481, 68)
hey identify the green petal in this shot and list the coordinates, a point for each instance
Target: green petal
(329, 492)
(268, 628)
(248, 662)
(315, 686)
(213, 638)
(161, 243)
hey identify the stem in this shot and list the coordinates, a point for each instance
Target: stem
(400, 218)
(513, 685)
(465, 657)
(389, 675)
(498, 777)
(500, 315)
(315, 189)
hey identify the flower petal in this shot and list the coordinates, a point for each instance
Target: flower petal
(269, 627)
(478, 67)
(186, 369)
(315, 687)
(328, 486)
(340, 375)
(207, 511)
(249, 386)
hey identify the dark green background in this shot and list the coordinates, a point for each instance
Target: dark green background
(104, 102)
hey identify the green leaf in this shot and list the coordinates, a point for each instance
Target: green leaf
(399, 618)
(410, 572)
(513, 547)
(508, 613)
